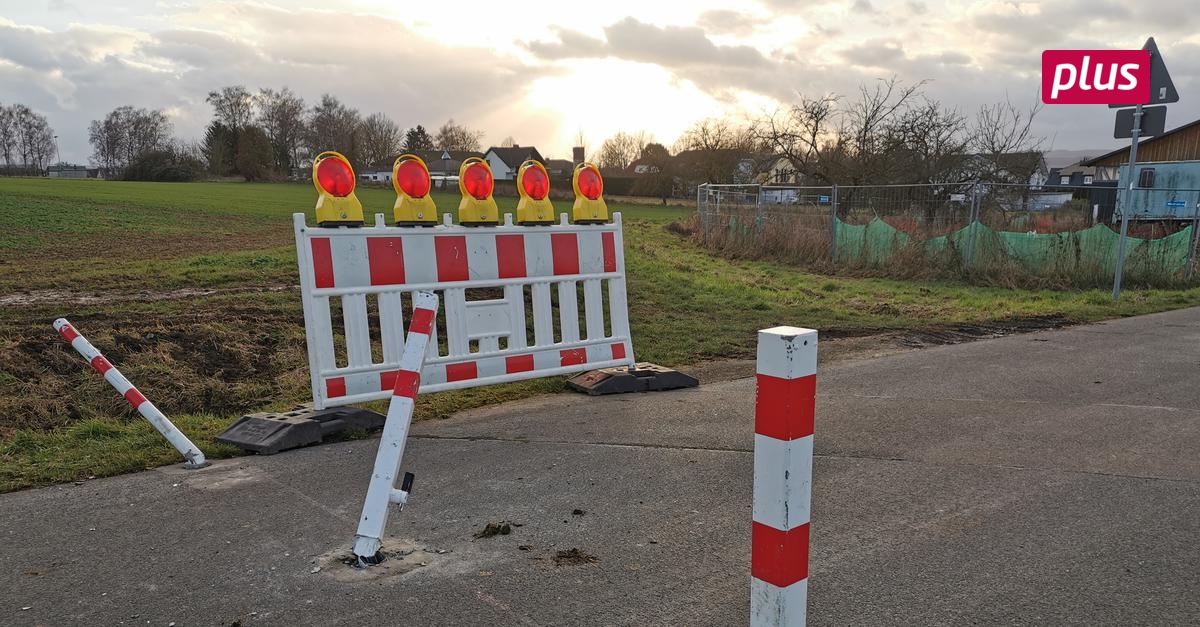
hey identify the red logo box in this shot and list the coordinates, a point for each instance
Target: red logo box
(1096, 77)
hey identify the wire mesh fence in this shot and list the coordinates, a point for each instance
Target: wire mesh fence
(1002, 233)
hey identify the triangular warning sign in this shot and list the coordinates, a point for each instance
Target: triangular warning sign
(1162, 88)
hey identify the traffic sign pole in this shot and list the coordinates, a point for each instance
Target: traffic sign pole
(1137, 125)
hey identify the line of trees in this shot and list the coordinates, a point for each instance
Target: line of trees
(888, 132)
(262, 135)
(27, 143)
(270, 133)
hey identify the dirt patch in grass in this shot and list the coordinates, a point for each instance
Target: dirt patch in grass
(225, 356)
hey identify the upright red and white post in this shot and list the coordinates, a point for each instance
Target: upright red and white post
(783, 449)
(382, 490)
(191, 453)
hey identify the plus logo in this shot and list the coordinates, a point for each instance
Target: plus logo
(1096, 77)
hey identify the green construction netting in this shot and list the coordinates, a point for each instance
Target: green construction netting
(1096, 247)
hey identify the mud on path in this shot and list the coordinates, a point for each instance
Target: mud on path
(71, 297)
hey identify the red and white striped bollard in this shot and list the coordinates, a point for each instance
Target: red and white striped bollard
(191, 453)
(783, 447)
(382, 490)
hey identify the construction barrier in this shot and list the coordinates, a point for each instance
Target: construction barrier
(382, 490)
(783, 446)
(191, 453)
(489, 276)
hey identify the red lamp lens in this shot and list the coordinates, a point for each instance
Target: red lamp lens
(590, 183)
(535, 182)
(335, 177)
(413, 179)
(477, 180)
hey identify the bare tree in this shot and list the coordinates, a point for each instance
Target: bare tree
(380, 139)
(232, 106)
(281, 115)
(618, 151)
(333, 126)
(1003, 138)
(715, 150)
(453, 136)
(8, 135)
(508, 142)
(930, 143)
(798, 132)
(125, 134)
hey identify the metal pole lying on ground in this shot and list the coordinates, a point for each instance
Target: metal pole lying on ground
(783, 447)
(193, 455)
(382, 490)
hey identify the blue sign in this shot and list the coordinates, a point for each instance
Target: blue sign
(1176, 204)
(824, 200)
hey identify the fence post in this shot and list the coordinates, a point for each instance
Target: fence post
(382, 492)
(833, 229)
(783, 447)
(969, 252)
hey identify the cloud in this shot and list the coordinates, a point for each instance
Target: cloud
(727, 22)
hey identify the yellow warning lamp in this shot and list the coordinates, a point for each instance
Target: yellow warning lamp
(414, 206)
(589, 195)
(336, 203)
(533, 182)
(475, 183)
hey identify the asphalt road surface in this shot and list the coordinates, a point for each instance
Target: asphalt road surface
(1047, 478)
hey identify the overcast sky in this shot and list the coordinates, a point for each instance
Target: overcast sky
(543, 72)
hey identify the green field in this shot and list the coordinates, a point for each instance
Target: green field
(189, 289)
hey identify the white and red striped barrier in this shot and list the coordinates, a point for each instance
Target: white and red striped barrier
(382, 490)
(363, 270)
(191, 453)
(783, 447)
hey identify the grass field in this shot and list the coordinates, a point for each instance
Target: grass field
(189, 289)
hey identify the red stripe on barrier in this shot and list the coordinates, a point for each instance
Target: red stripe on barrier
(462, 372)
(422, 321)
(610, 251)
(335, 387)
(573, 356)
(100, 364)
(68, 333)
(520, 363)
(407, 383)
(451, 253)
(779, 557)
(510, 256)
(565, 249)
(784, 408)
(134, 397)
(386, 257)
(387, 380)
(322, 262)
(618, 351)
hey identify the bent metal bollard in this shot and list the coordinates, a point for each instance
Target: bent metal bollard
(382, 492)
(784, 409)
(191, 453)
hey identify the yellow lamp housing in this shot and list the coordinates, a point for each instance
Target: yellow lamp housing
(589, 205)
(333, 176)
(414, 206)
(475, 183)
(533, 183)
